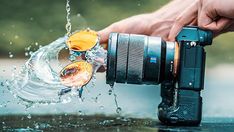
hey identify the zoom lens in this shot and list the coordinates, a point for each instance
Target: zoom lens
(139, 59)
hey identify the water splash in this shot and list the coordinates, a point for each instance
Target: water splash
(68, 25)
(38, 80)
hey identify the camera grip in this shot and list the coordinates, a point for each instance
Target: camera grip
(185, 110)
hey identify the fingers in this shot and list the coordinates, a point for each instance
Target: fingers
(104, 34)
(199, 5)
(208, 18)
(194, 22)
(205, 16)
(186, 17)
(218, 26)
(115, 27)
(231, 27)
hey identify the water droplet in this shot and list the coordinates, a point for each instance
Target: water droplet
(101, 107)
(11, 55)
(28, 48)
(11, 43)
(118, 110)
(2, 84)
(36, 43)
(14, 67)
(16, 37)
(37, 126)
(30, 52)
(110, 92)
(64, 101)
(7, 83)
(29, 116)
(26, 53)
(72, 57)
(80, 112)
(112, 85)
(138, 3)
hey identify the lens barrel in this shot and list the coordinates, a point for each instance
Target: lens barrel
(139, 59)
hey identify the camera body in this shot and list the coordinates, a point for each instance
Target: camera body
(178, 66)
(181, 101)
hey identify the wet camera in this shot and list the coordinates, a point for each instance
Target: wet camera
(178, 67)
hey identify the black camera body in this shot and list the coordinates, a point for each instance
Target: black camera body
(139, 59)
(181, 101)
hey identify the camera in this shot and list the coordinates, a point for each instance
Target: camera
(179, 68)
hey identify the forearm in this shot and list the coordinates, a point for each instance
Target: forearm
(172, 9)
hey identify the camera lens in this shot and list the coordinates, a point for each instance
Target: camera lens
(139, 59)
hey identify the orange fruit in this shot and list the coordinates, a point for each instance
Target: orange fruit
(83, 40)
(76, 74)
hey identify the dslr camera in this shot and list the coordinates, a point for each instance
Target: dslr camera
(178, 67)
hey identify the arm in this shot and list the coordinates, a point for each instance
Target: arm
(157, 23)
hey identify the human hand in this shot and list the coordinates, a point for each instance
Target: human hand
(214, 15)
(157, 23)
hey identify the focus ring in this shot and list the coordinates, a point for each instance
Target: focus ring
(135, 59)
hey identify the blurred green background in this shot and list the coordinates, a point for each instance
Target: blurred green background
(30, 22)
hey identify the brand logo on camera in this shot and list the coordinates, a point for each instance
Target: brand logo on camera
(153, 60)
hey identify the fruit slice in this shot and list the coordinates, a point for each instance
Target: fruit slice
(83, 40)
(76, 74)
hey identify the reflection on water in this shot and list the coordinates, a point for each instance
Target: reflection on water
(102, 123)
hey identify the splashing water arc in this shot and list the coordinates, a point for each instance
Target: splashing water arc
(38, 80)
